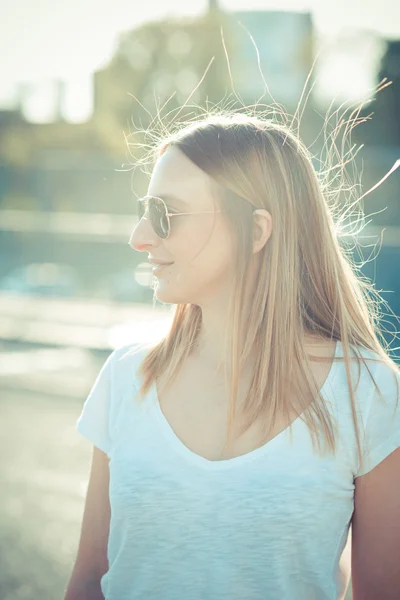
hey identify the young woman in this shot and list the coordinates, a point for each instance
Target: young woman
(234, 458)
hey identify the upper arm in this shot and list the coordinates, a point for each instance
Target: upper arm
(91, 561)
(376, 532)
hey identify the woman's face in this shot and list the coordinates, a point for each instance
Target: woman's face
(200, 246)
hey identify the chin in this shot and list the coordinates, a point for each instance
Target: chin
(169, 294)
(164, 292)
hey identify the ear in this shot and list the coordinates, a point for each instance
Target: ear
(262, 229)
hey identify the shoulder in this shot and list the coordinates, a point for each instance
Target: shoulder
(381, 415)
(130, 352)
(375, 383)
(384, 371)
(124, 361)
(378, 388)
(387, 379)
(370, 364)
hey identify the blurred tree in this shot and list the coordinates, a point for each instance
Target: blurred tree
(152, 62)
(159, 60)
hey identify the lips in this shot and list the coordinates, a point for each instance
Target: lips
(158, 262)
(158, 267)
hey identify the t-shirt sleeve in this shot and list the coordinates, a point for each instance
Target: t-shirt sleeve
(94, 420)
(382, 424)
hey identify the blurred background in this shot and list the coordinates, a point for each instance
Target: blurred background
(76, 81)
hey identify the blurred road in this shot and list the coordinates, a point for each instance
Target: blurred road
(43, 470)
(44, 467)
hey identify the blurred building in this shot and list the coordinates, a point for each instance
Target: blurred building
(172, 58)
(285, 45)
(75, 167)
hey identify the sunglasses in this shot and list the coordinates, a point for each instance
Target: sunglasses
(157, 212)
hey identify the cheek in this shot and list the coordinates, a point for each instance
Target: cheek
(208, 257)
(207, 246)
(191, 276)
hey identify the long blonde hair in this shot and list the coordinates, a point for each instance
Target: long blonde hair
(306, 283)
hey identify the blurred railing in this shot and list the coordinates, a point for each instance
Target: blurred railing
(99, 324)
(101, 227)
(84, 323)
(112, 228)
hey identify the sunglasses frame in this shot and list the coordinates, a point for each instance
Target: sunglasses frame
(168, 214)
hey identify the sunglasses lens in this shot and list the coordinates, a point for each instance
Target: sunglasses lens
(157, 215)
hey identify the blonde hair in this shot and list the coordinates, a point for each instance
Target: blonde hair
(258, 163)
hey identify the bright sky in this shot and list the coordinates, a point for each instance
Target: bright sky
(44, 40)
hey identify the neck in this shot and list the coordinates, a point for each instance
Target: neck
(210, 350)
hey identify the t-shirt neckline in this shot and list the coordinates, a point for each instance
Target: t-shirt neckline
(236, 461)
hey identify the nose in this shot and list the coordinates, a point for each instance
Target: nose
(143, 236)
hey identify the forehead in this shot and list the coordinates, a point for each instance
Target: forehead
(175, 175)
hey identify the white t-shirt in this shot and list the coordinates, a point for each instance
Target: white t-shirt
(269, 525)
